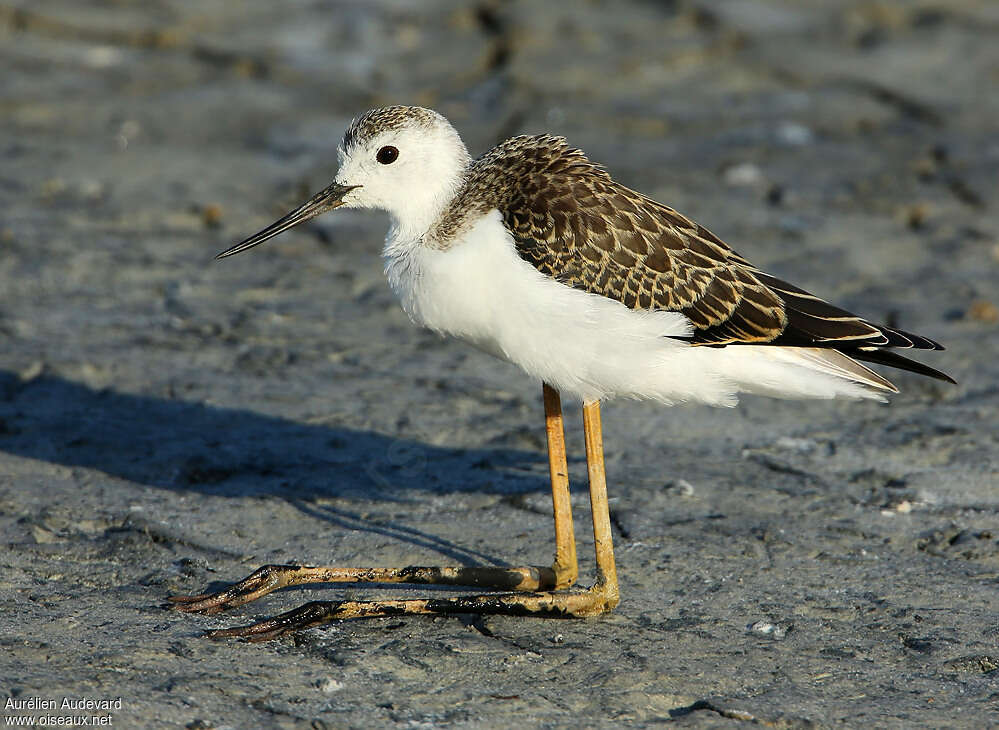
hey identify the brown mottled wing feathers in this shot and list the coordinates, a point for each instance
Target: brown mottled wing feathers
(571, 221)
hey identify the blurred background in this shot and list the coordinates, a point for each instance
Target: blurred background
(850, 146)
(164, 416)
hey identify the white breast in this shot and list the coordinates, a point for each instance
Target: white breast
(584, 344)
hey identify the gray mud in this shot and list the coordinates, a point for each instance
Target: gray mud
(168, 423)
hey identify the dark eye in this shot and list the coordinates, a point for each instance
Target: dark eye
(387, 155)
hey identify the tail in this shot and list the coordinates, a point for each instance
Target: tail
(835, 363)
(845, 376)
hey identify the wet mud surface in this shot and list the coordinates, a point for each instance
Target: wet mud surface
(168, 423)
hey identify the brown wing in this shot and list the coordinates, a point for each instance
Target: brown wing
(574, 223)
(601, 237)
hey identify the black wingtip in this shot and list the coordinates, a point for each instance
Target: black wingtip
(903, 339)
(894, 360)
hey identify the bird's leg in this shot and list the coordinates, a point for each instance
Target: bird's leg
(562, 574)
(269, 578)
(566, 568)
(550, 604)
(600, 598)
(606, 584)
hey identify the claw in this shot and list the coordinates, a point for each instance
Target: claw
(260, 582)
(188, 599)
(311, 614)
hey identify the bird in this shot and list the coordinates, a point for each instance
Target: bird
(535, 254)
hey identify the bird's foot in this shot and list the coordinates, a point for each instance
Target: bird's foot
(270, 578)
(260, 582)
(552, 604)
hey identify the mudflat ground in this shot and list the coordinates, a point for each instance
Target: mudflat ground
(168, 423)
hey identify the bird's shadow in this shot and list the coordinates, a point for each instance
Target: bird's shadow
(193, 447)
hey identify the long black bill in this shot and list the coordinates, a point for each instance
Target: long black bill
(328, 199)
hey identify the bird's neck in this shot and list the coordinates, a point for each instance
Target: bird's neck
(409, 227)
(417, 222)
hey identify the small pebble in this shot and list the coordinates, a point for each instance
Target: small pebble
(983, 310)
(914, 216)
(53, 186)
(681, 487)
(330, 685)
(92, 189)
(902, 508)
(34, 371)
(767, 628)
(801, 445)
(743, 174)
(794, 134)
(925, 168)
(211, 215)
(101, 57)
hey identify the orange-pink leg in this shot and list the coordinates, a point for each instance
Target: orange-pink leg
(538, 591)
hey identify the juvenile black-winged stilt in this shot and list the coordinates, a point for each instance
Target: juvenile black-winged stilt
(534, 254)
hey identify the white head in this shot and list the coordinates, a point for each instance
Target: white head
(406, 160)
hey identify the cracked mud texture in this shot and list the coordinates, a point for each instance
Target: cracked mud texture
(168, 423)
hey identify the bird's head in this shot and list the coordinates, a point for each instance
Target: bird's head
(408, 161)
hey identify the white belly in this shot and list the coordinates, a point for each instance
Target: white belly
(584, 344)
